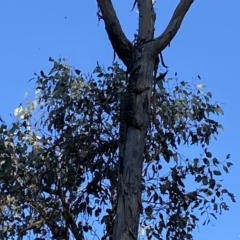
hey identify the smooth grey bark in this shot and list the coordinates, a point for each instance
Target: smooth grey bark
(129, 205)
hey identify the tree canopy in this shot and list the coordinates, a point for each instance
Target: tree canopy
(106, 149)
(59, 161)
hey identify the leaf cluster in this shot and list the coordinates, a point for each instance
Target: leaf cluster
(59, 159)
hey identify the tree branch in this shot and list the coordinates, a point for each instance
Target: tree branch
(31, 226)
(161, 42)
(69, 219)
(120, 43)
(147, 19)
(70, 223)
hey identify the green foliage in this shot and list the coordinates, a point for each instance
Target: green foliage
(184, 118)
(59, 159)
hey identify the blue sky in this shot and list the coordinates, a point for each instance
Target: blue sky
(207, 44)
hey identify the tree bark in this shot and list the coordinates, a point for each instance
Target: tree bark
(129, 205)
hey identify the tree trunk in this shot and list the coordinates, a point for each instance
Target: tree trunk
(129, 205)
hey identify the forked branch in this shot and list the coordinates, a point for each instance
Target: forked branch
(161, 42)
(122, 46)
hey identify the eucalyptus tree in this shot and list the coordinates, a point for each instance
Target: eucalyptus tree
(141, 58)
(105, 149)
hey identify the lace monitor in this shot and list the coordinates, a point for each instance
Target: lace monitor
(127, 111)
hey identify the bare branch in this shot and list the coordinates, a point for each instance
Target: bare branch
(147, 19)
(161, 42)
(120, 43)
